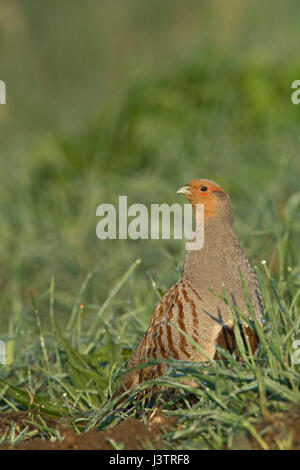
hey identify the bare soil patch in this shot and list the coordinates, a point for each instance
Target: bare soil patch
(278, 430)
(130, 434)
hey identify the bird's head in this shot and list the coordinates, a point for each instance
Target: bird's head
(215, 199)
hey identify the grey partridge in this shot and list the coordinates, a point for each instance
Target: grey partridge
(193, 304)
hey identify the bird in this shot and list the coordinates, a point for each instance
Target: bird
(195, 306)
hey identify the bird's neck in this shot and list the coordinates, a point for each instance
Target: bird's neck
(200, 264)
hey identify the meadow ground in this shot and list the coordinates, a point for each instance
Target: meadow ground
(138, 104)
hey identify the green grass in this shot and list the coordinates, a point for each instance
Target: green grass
(213, 101)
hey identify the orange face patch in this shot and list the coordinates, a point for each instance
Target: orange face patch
(202, 192)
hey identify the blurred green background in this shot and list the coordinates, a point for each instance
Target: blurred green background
(138, 97)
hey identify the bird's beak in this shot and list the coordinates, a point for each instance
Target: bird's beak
(184, 190)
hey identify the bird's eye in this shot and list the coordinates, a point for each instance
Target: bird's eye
(204, 188)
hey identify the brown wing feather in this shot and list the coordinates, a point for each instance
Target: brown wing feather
(178, 306)
(152, 344)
